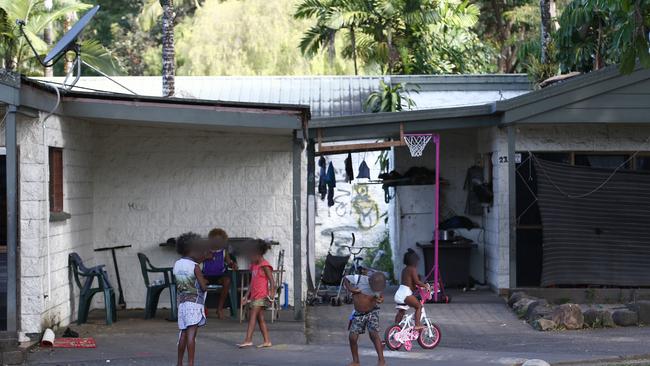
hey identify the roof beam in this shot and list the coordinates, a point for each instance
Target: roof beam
(392, 129)
(181, 114)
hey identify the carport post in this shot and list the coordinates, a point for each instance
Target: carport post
(298, 277)
(512, 206)
(12, 218)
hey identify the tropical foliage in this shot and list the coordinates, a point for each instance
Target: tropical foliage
(397, 36)
(390, 98)
(15, 50)
(595, 33)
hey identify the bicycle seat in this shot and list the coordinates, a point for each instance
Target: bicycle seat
(358, 259)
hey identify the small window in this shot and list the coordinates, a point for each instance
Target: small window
(56, 179)
(609, 161)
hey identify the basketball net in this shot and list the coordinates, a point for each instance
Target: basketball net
(417, 143)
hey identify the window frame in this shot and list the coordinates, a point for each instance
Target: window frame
(56, 195)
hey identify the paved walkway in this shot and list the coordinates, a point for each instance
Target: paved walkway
(477, 327)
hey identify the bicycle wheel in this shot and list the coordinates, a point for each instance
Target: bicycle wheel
(430, 340)
(389, 337)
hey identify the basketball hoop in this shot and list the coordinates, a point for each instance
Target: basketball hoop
(416, 143)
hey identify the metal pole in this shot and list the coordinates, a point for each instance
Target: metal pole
(512, 206)
(436, 219)
(297, 231)
(311, 208)
(12, 218)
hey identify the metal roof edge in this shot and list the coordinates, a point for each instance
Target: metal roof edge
(304, 109)
(402, 116)
(574, 83)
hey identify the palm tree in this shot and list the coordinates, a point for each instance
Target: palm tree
(151, 11)
(168, 51)
(322, 34)
(545, 8)
(17, 56)
(396, 36)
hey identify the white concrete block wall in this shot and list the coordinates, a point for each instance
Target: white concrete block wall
(583, 138)
(154, 183)
(496, 219)
(44, 288)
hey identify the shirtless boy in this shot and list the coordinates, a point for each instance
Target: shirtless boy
(366, 294)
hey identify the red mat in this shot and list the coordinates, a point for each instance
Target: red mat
(75, 343)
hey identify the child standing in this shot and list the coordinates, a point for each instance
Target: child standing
(215, 267)
(404, 297)
(367, 293)
(190, 287)
(258, 296)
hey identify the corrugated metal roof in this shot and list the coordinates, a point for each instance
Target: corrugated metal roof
(328, 96)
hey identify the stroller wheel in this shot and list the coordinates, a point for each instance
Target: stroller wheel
(348, 299)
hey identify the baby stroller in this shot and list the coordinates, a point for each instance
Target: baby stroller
(332, 275)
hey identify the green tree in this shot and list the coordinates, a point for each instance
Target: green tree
(252, 37)
(596, 33)
(398, 36)
(38, 17)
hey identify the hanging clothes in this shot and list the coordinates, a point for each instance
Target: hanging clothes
(349, 173)
(473, 178)
(364, 170)
(330, 181)
(322, 187)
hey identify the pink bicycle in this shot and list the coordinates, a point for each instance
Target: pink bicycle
(404, 333)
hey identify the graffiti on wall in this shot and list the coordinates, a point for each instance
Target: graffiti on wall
(358, 208)
(361, 205)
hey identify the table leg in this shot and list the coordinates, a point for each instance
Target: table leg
(120, 301)
(233, 294)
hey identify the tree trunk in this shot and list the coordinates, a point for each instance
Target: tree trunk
(168, 51)
(353, 39)
(331, 48)
(47, 36)
(545, 8)
(67, 24)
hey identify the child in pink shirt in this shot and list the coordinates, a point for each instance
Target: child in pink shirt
(259, 295)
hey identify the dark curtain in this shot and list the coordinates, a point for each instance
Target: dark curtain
(600, 239)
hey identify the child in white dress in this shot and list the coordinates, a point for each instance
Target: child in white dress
(190, 288)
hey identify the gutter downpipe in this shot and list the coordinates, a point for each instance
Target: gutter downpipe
(12, 218)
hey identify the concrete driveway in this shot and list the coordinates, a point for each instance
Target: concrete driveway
(477, 328)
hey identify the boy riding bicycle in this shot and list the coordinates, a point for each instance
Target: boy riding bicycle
(405, 295)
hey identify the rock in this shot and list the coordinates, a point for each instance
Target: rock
(625, 317)
(607, 320)
(533, 313)
(642, 309)
(544, 324)
(516, 296)
(536, 362)
(568, 316)
(598, 318)
(540, 312)
(521, 306)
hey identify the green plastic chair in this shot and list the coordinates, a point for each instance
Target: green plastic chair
(87, 291)
(155, 289)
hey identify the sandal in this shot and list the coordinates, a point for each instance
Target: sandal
(245, 345)
(265, 345)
